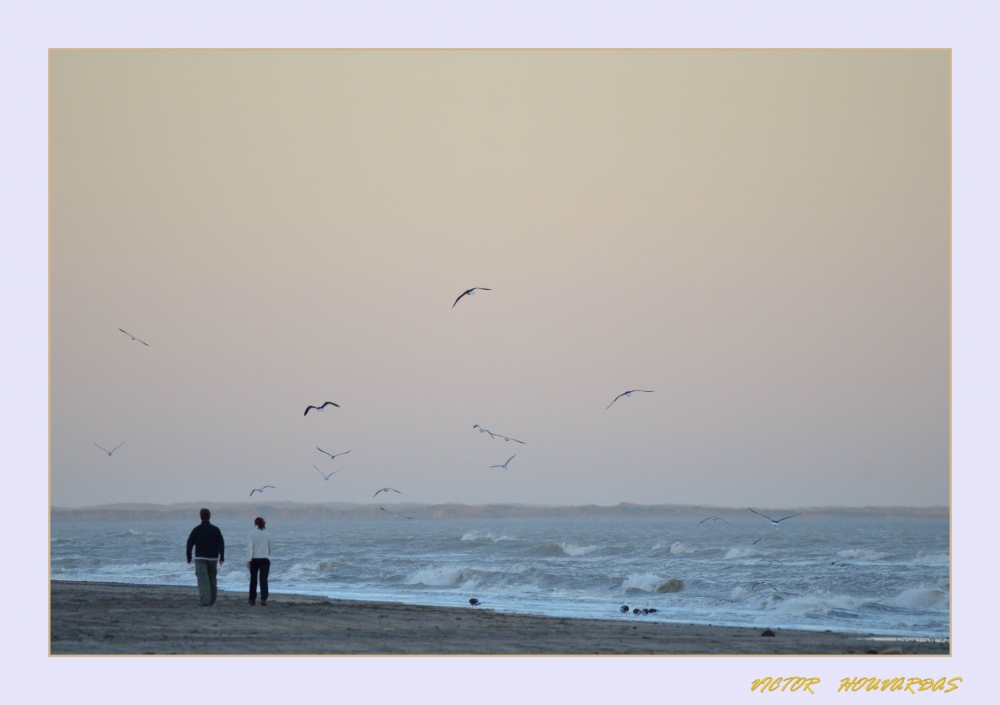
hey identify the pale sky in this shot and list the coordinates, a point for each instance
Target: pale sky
(760, 237)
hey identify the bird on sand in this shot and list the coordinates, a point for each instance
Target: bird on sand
(636, 611)
(326, 477)
(473, 601)
(775, 522)
(134, 338)
(504, 466)
(386, 489)
(109, 452)
(624, 609)
(332, 455)
(261, 489)
(470, 292)
(627, 394)
(711, 518)
(320, 408)
(394, 516)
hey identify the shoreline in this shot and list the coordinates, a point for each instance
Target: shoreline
(122, 618)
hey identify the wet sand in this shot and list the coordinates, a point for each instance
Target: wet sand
(117, 618)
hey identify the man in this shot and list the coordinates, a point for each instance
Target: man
(208, 548)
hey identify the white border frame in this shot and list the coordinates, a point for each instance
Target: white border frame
(27, 31)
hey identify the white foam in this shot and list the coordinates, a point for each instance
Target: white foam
(742, 553)
(863, 554)
(486, 536)
(571, 549)
(933, 558)
(309, 570)
(921, 598)
(650, 582)
(439, 575)
(678, 547)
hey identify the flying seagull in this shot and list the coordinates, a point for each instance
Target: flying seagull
(386, 489)
(711, 518)
(762, 538)
(774, 522)
(332, 455)
(394, 516)
(768, 560)
(754, 586)
(109, 452)
(261, 489)
(320, 408)
(504, 466)
(470, 292)
(134, 338)
(326, 477)
(497, 435)
(627, 394)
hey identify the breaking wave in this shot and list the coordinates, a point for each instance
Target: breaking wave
(563, 549)
(921, 598)
(486, 536)
(863, 554)
(742, 553)
(648, 582)
(440, 576)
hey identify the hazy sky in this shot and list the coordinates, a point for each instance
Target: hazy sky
(761, 237)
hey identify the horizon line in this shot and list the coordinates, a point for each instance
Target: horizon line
(287, 503)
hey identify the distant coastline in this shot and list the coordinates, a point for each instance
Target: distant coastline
(340, 511)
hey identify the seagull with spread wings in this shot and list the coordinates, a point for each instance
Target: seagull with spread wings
(394, 516)
(109, 452)
(775, 522)
(261, 489)
(715, 518)
(332, 455)
(627, 394)
(470, 292)
(134, 338)
(504, 466)
(326, 477)
(386, 490)
(320, 408)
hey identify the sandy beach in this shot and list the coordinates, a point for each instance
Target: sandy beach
(117, 618)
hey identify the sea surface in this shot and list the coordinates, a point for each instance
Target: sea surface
(881, 575)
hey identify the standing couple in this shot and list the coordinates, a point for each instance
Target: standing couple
(210, 551)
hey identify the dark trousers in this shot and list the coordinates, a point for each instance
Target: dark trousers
(263, 566)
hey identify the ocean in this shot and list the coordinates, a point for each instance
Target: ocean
(883, 575)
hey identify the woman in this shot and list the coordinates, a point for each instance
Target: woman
(258, 560)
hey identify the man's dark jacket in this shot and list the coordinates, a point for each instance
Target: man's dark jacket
(207, 541)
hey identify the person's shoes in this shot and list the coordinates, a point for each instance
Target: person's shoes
(252, 603)
(263, 603)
